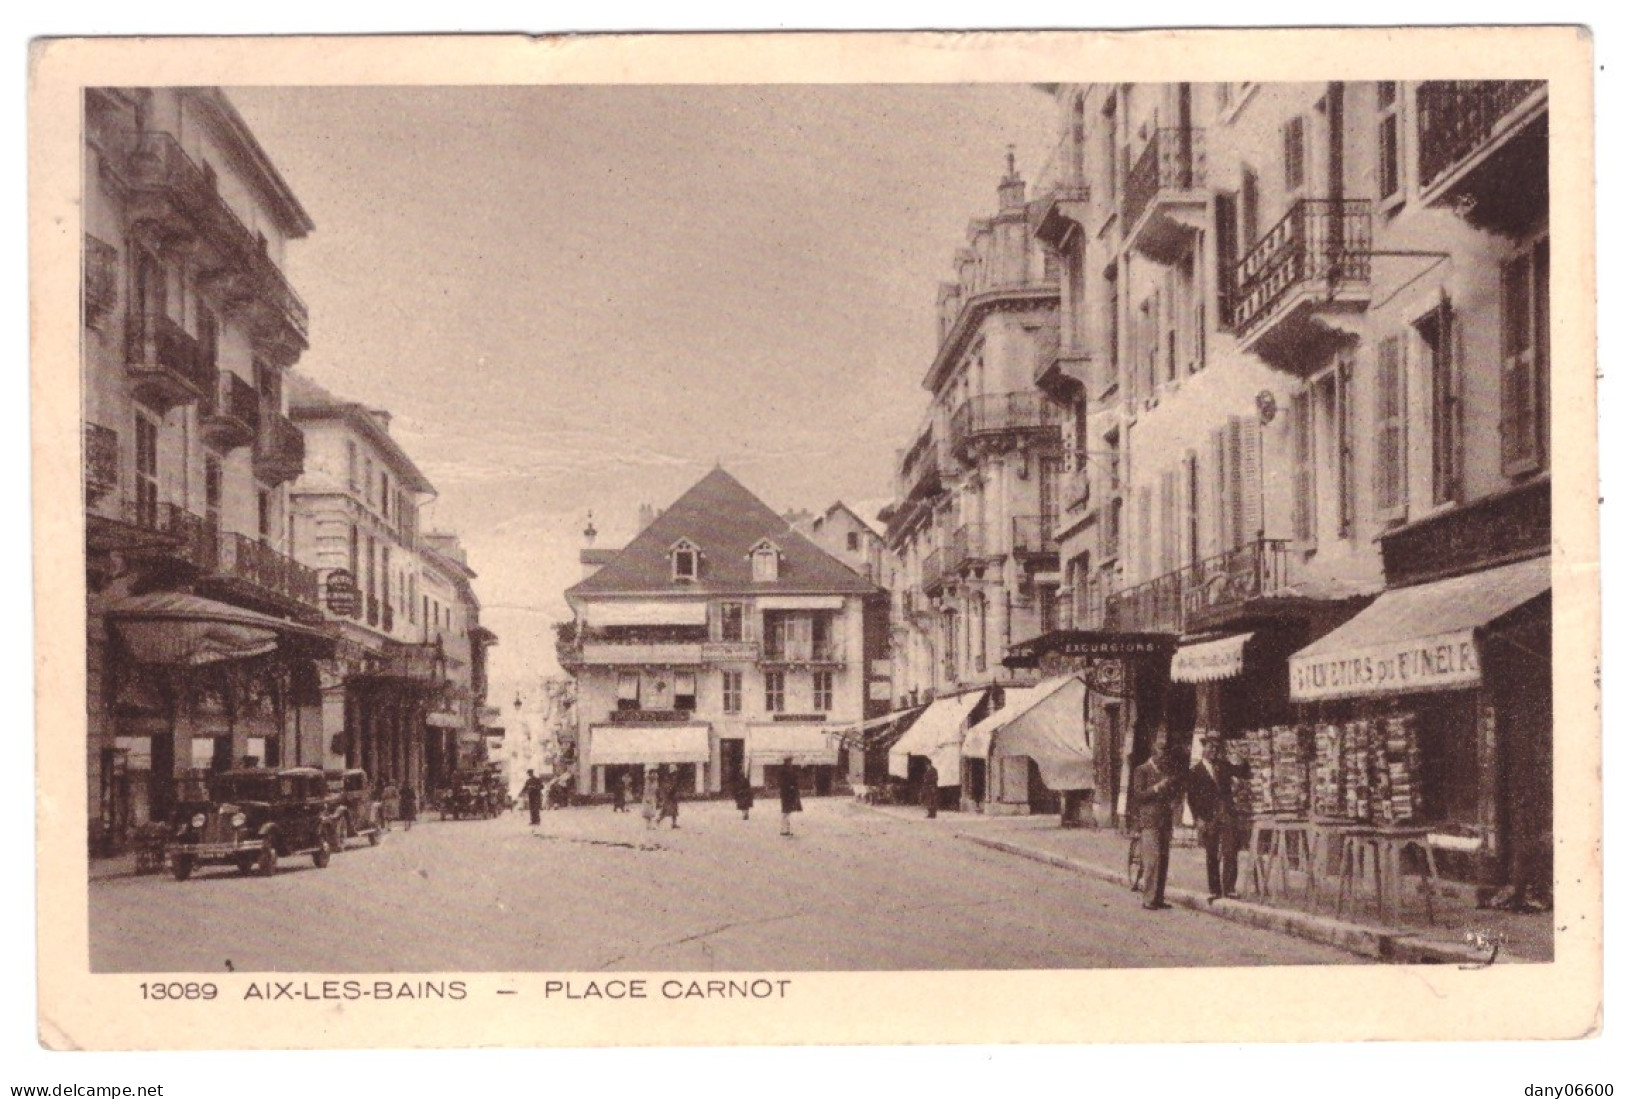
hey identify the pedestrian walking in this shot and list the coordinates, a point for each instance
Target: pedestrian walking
(1210, 792)
(532, 790)
(1154, 790)
(789, 792)
(651, 796)
(928, 790)
(668, 796)
(623, 790)
(409, 806)
(744, 796)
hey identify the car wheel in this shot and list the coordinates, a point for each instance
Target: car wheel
(373, 837)
(323, 854)
(266, 864)
(182, 867)
(245, 863)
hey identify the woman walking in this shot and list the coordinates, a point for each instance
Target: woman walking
(744, 796)
(651, 794)
(668, 797)
(409, 806)
(789, 793)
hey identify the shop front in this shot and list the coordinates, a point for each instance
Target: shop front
(811, 747)
(935, 739)
(1037, 751)
(1431, 710)
(613, 750)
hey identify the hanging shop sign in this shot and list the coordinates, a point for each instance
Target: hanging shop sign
(343, 597)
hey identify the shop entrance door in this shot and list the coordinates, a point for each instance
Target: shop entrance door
(732, 763)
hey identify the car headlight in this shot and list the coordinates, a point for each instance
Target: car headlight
(181, 831)
(238, 820)
(198, 821)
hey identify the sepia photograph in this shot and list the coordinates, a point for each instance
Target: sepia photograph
(588, 541)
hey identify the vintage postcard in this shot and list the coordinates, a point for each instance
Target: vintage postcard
(816, 538)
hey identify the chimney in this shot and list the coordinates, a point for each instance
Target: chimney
(1012, 188)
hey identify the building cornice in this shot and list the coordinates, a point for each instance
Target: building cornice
(1009, 299)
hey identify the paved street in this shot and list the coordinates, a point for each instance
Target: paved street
(592, 890)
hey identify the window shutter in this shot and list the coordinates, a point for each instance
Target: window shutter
(1249, 480)
(1224, 225)
(1219, 521)
(1303, 470)
(1293, 152)
(1170, 511)
(1143, 552)
(1345, 447)
(1389, 467)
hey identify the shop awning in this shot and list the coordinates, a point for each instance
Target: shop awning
(646, 613)
(808, 745)
(935, 735)
(646, 744)
(1422, 638)
(180, 628)
(800, 603)
(1207, 661)
(862, 731)
(1016, 699)
(1052, 732)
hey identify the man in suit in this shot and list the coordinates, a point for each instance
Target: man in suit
(1155, 793)
(1210, 791)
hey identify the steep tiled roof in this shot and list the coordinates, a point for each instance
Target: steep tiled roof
(725, 520)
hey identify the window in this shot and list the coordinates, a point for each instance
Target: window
(1388, 469)
(731, 622)
(1193, 508)
(1438, 333)
(355, 552)
(682, 692)
(764, 562)
(383, 495)
(1249, 209)
(773, 683)
(685, 561)
(1303, 470)
(1388, 152)
(385, 570)
(1112, 306)
(1224, 244)
(367, 484)
(1525, 369)
(213, 491)
(208, 339)
(355, 464)
(101, 281)
(733, 690)
(852, 541)
(263, 497)
(146, 471)
(1293, 152)
(628, 692)
(823, 684)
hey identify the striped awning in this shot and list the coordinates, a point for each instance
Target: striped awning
(1209, 661)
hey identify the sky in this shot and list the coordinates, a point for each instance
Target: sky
(579, 299)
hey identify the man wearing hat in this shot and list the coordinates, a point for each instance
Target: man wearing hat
(1210, 792)
(1153, 799)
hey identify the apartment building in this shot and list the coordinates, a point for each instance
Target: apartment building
(718, 642)
(973, 525)
(460, 727)
(1304, 351)
(202, 628)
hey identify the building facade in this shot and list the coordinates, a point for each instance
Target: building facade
(202, 628)
(718, 642)
(972, 529)
(1303, 348)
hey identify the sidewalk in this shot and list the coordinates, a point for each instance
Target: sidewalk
(1102, 854)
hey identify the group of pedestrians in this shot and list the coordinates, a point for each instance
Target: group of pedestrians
(661, 795)
(1156, 789)
(789, 794)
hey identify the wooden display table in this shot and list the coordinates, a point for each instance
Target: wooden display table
(1272, 846)
(1382, 849)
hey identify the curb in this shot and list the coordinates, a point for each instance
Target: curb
(1406, 948)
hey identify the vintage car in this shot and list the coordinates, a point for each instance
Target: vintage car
(471, 794)
(250, 818)
(355, 811)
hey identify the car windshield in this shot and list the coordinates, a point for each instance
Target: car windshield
(244, 788)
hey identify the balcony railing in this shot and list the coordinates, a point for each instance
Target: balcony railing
(167, 364)
(101, 461)
(921, 471)
(1319, 240)
(1457, 117)
(418, 662)
(931, 570)
(1033, 536)
(1173, 160)
(994, 414)
(597, 651)
(1176, 600)
(255, 563)
(784, 651)
(154, 163)
(231, 412)
(969, 546)
(279, 449)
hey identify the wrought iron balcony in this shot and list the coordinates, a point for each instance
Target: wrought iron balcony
(279, 449)
(1482, 149)
(1203, 594)
(256, 565)
(1003, 414)
(422, 663)
(931, 571)
(969, 547)
(101, 462)
(1314, 262)
(1033, 537)
(167, 364)
(597, 651)
(168, 188)
(230, 413)
(922, 471)
(1162, 199)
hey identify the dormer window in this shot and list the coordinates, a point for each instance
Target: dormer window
(685, 561)
(764, 561)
